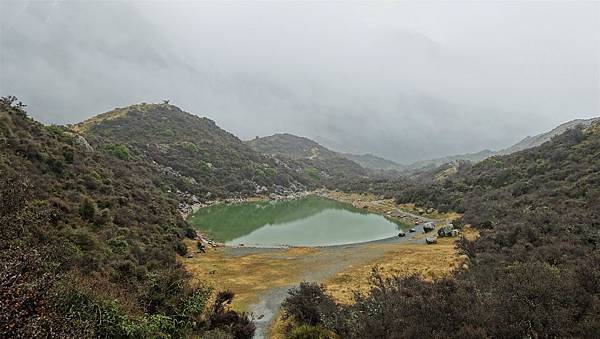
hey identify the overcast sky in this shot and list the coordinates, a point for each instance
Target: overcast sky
(405, 80)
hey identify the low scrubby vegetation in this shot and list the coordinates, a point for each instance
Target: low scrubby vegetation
(534, 271)
(89, 239)
(322, 165)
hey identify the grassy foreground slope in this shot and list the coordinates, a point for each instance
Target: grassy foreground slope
(88, 241)
(534, 271)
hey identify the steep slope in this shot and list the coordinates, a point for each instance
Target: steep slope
(312, 158)
(88, 239)
(198, 156)
(370, 161)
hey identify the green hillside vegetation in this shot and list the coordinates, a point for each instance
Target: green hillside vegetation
(195, 154)
(89, 240)
(317, 161)
(533, 273)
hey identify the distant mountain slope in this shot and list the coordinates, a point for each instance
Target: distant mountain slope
(539, 139)
(434, 163)
(291, 146)
(528, 142)
(314, 159)
(374, 162)
(195, 154)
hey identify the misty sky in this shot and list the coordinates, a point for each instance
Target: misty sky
(407, 81)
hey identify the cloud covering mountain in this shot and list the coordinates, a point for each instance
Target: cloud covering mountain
(407, 81)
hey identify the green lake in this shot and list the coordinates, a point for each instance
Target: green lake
(309, 221)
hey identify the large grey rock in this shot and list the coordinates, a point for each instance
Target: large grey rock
(82, 144)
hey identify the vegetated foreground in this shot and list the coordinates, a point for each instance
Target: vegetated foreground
(89, 238)
(534, 271)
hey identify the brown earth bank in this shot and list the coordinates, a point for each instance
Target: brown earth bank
(260, 277)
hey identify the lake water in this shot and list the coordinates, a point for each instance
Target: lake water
(309, 221)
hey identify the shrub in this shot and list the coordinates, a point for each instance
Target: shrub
(238, 324)
(119, 151)
(310, 332)
(190, 147)
(217, 333)
(87, 209)
(307, 303)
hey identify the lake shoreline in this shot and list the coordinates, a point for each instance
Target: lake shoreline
(368, 203)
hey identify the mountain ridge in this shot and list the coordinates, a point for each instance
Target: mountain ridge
(523, 144)
(310, 157)
(195, 153)
(374, 162)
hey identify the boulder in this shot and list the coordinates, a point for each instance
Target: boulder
(80, 143)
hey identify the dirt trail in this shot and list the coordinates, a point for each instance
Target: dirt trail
(319, 266)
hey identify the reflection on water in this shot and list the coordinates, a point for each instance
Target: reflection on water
(310, 221)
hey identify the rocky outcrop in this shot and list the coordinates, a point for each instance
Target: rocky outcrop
(80, 143)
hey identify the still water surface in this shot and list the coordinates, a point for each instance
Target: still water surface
(309, 221)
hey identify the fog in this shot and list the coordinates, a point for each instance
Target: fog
(407, 81)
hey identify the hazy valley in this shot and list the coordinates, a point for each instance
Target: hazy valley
(299, 170)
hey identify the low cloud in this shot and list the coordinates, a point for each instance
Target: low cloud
(408, 81)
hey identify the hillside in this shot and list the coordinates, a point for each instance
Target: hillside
(533, 272)
(533, 141)
(526, 143)
(434, 163)
(89, 239)
(373, 162)
(194, 153)
(317, 161)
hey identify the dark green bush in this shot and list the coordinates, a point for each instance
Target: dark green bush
(119, 151)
